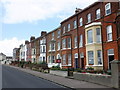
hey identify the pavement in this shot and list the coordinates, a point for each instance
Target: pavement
(67, 82)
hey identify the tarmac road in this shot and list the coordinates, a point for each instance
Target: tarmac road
(13, 78)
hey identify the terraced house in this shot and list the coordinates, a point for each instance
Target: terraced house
(53, 46)
(89, 38)
(93, 36)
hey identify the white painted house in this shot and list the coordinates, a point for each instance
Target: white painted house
(23, 51)
(2, 58)
(42, 56)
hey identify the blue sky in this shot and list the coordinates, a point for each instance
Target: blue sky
(20, 19)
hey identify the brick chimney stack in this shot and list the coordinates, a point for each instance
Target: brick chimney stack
(78, 10)
(43, 33)
(26, 42)
(32, 38)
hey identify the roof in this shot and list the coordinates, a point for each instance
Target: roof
(80, 11)
(2, 54)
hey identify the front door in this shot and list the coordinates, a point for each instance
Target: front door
(76, 62)
(111, 58)
(82, 63)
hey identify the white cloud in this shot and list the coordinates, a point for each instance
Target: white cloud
(18, 11)
(7, 45)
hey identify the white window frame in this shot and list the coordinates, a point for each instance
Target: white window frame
(89, 18)
(75, 42)
(75, 24)
(81, 21)
(58, 56)
(98, 37)
(69, 43)
(64, 59)
(53, 46)
(109, 32)
(52, 59)
(64, 29)
(50, 47)
(44, 48)
(99, 58)
(69, 59)
(58, 34)
(109, 53)
(98, 14)
(107, 7)
(49, 59)
(58, 45)
(88, 37)
(92, 57)
(53, 36)
(64, 44)
(68, 27)
(81, 40)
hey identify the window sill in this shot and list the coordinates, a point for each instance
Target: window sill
(109, 40)
(58, 50)
(68, 48)
(95, 65)
(69, 64)
(75, 47)
(80, 46)
(107, 14)
(66, 65)
(63, 49)
(98, 18)
(93, 43)
(51, 51)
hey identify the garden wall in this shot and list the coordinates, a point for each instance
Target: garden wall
(59, 73)
(94, 78)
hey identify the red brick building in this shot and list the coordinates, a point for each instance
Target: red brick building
(93, 34)
(53, 43)
(89, 38)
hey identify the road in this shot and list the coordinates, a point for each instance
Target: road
(13, 78)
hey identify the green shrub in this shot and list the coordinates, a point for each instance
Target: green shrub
(78, 70)
(64, 69)
(55, 68)
(90, 68)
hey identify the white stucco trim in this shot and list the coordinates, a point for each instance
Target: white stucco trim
(93, 24)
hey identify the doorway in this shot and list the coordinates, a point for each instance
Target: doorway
(82, 63)
(110, 58)
(76, 63)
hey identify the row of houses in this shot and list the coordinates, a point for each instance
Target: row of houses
(89, 38)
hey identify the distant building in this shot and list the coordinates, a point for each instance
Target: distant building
(8, 59)
(14, 54)
(2, 58)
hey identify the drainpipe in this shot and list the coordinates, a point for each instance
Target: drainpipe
(102, 38)
(79, 61)
(71, 51)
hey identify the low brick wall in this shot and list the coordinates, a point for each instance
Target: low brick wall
(94, 78)
(59, 73)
